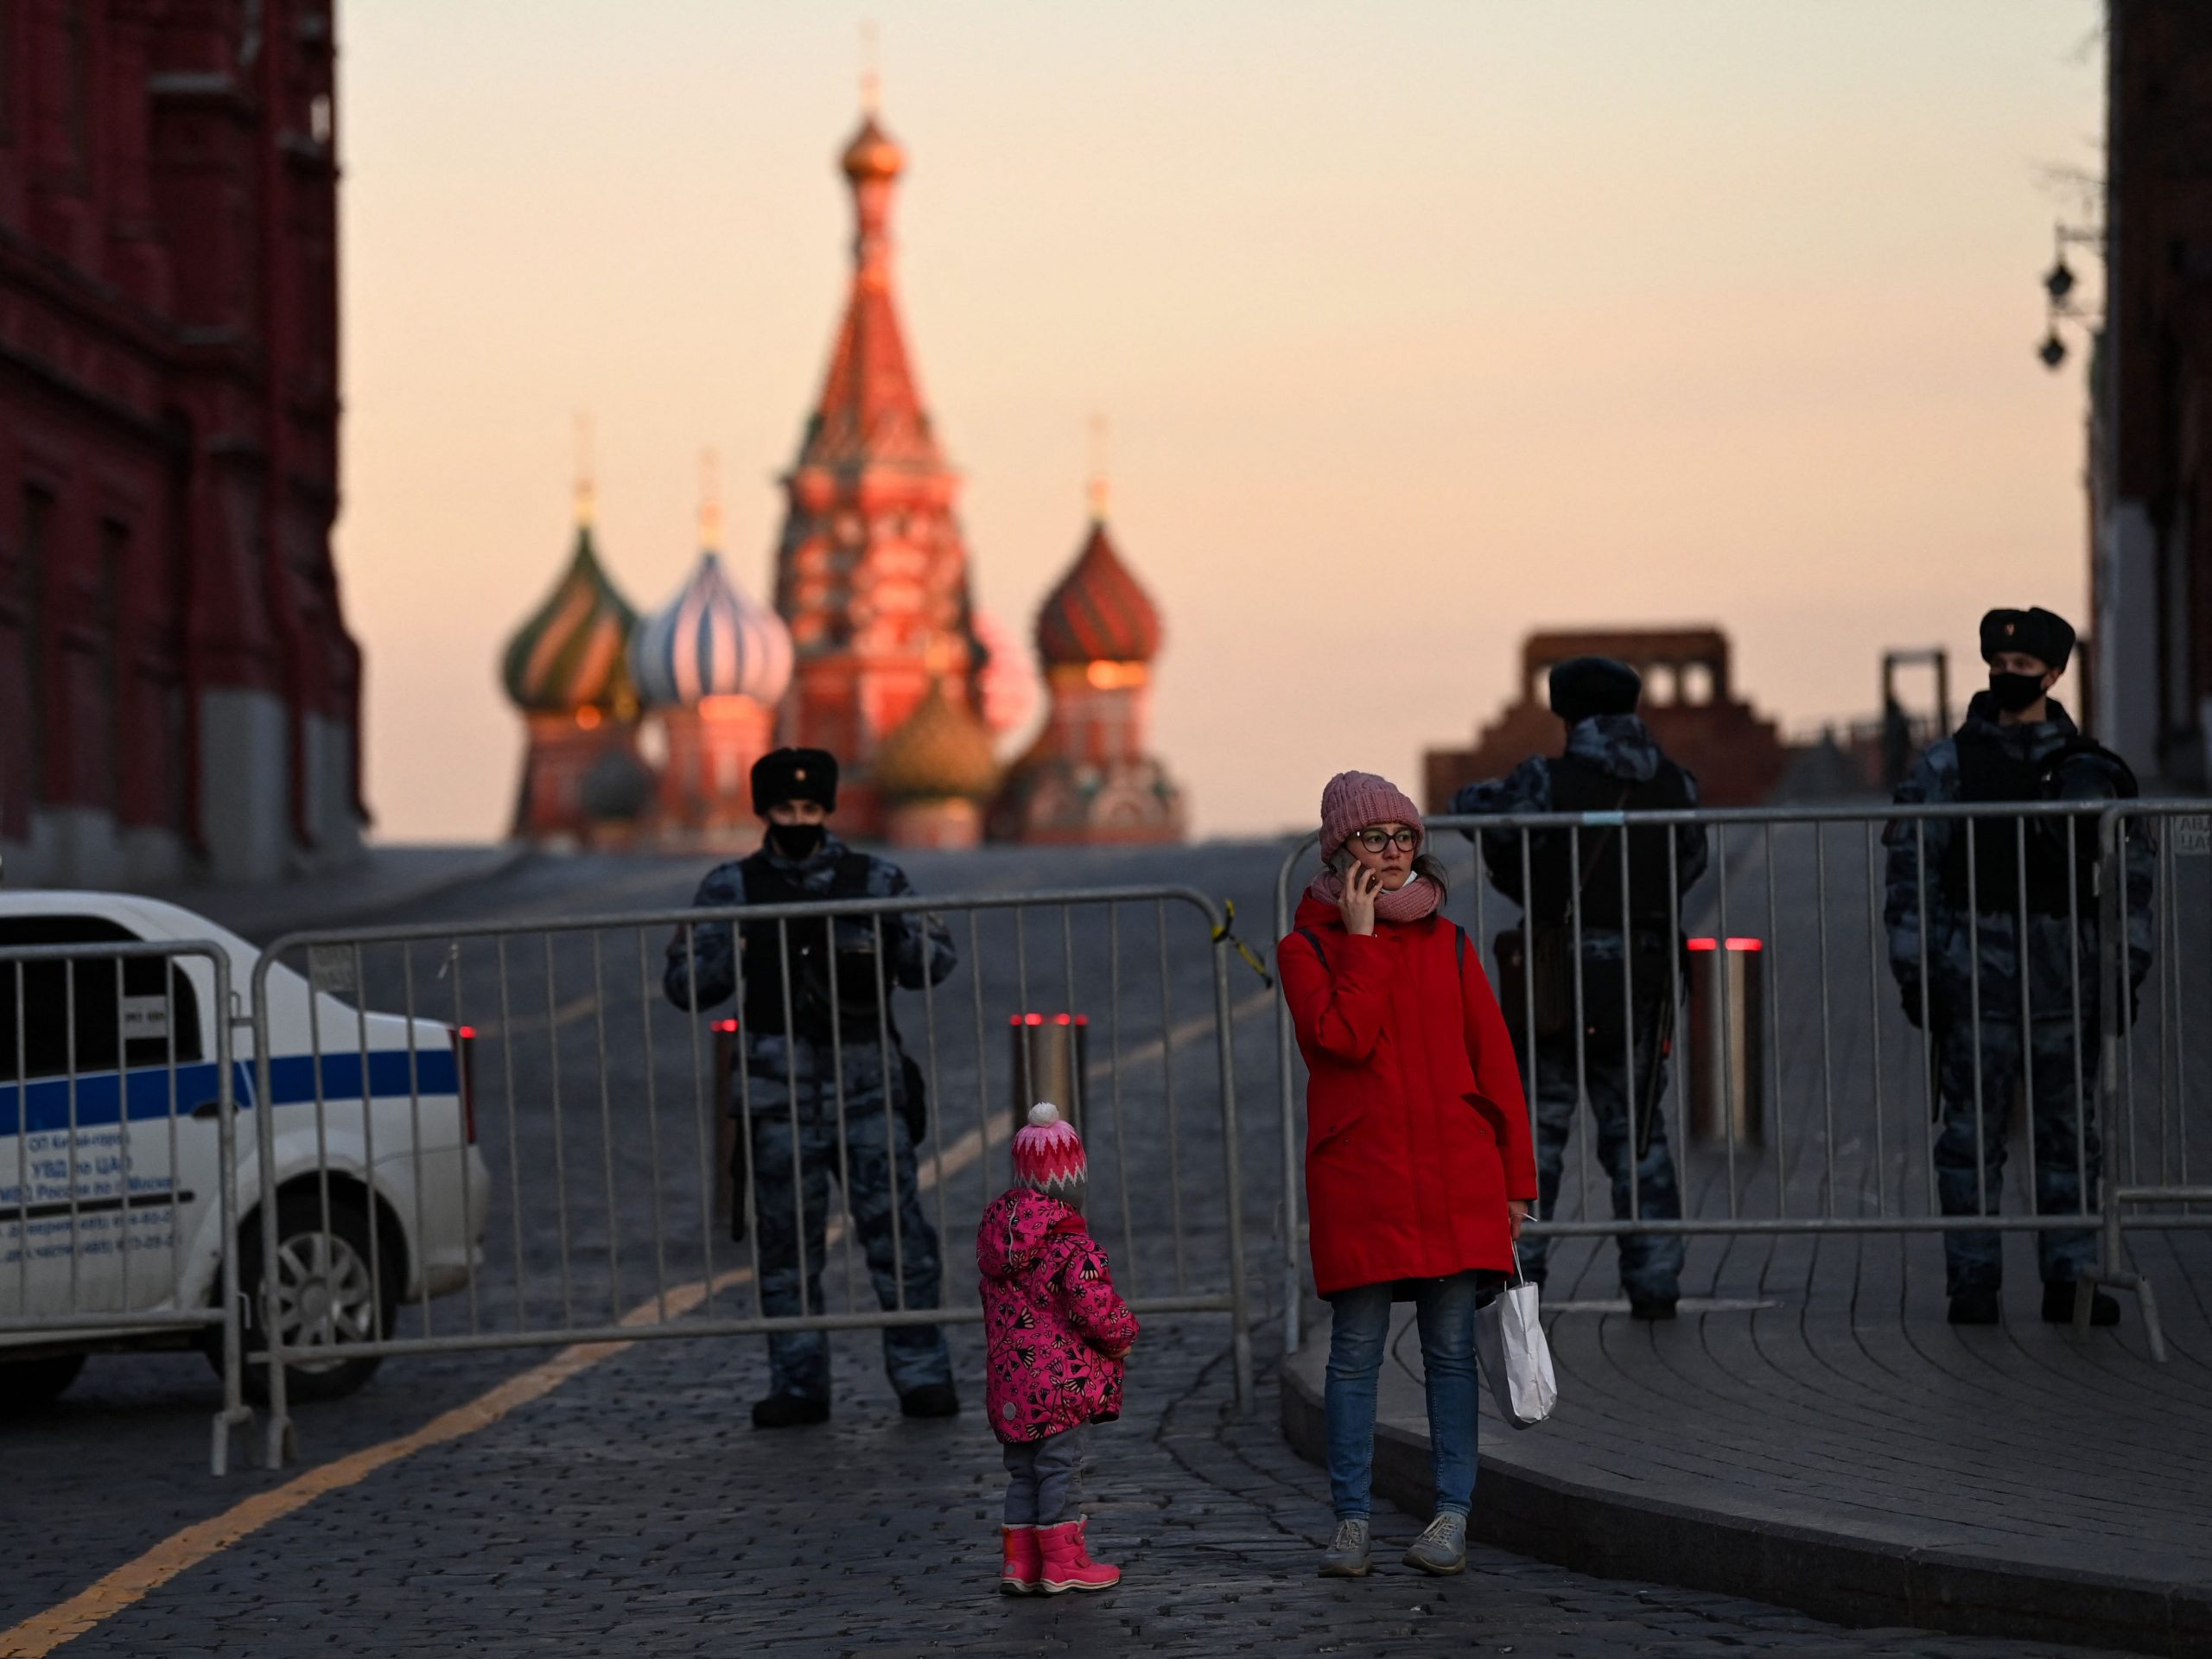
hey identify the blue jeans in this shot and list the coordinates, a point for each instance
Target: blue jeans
(1445, 1311)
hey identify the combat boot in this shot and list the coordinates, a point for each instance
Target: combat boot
(1068, 1566)
(2058, 1306)
(1982, 1307)
(1022, 1572)
(789, 1411)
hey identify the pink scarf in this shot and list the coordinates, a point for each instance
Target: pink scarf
(1413, 902)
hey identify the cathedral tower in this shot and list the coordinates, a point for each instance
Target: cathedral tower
(871, 572)
(1090, 777)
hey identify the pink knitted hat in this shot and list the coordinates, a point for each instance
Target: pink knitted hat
(1048, 1153)
(1353, 800)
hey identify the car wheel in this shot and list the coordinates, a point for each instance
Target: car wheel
(27, 1385)
(325, 1295)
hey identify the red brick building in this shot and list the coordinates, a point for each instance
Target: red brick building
(1689, 702)
(2150, 427)
(182, 696)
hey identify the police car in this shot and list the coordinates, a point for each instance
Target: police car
(110, 1164)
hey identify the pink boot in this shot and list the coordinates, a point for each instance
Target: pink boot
(1023, 1572)
(1068, 1566)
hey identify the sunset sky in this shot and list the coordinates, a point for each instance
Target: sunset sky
(1419, 326)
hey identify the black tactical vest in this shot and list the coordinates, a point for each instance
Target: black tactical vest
(2060, 870)
(811, 950)
(1557, 859)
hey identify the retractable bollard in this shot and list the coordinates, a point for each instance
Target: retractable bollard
(1049, 1058)
(1728, 1041)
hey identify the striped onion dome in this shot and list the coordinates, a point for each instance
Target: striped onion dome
(573, 654)
(1098, 613)
(711, 641)
(940, 751)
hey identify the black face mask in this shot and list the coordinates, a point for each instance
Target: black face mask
(2015, 692)
(796, 842)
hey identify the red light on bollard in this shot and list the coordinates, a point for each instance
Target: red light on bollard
(464, 1056)
(1746, 944)
(1702, 945)
(725, 1027)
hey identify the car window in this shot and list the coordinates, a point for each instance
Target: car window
(133, 1010)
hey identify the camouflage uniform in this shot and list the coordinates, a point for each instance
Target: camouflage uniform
(791, 1088)
(1976, 1079)
(1619, 749)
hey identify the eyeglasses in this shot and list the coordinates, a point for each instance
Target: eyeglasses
(1375, 840)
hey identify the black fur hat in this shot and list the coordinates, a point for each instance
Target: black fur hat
(795, 775)
(2044, 635)
(1584, 686)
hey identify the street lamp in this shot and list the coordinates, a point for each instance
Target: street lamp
(2058, 285)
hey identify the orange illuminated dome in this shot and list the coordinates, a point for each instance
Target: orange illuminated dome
(873, 154)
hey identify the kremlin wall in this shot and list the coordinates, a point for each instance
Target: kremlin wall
(874, 649)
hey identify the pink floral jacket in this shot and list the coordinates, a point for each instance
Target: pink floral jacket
(1051, 1317)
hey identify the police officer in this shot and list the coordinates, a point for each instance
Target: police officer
(1990, 911)
(1628, 946)
(813, 1026)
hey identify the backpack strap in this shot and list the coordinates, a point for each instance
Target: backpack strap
(1314, 939)
(1460, 946)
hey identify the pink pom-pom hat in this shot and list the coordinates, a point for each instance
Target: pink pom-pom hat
(1355, 800)
(1048, 1153)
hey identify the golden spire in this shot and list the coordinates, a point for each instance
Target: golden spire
(710, 501)
(584, 501)
(871, 76)
(1098, 485)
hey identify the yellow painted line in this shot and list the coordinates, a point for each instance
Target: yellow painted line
(41, 1633)
(133, 1581)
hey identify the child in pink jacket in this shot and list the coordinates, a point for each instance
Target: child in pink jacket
(1057, 1334)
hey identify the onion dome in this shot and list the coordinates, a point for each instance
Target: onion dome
(573, 654)
(1098, 613)
(1006, 682)
(942, 752)
(873, 154)
(711, 641)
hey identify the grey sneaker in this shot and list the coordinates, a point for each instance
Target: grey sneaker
(1347, 1556)
(1442, 1547)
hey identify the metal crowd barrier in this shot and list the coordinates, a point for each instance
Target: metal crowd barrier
(559, 1155)
(1803, 1100)
(120, 1179)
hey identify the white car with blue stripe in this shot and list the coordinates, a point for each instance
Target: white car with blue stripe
(110, 1158)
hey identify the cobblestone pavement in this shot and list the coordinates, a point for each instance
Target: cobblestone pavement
(634, 1509)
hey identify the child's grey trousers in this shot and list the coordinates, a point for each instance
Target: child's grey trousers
(1040, 1488)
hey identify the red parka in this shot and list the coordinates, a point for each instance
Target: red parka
(1416, 1129)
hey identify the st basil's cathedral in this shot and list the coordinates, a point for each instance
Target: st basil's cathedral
(874, 651)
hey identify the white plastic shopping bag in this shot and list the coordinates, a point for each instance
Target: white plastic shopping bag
(1516, 1357)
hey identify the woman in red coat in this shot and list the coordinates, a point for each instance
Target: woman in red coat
(1418, 1167)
